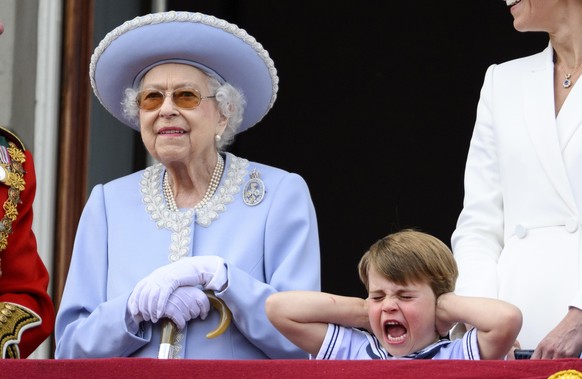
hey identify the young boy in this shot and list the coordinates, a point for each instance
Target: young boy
(410, 277)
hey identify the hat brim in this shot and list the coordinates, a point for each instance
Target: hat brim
(130, 50)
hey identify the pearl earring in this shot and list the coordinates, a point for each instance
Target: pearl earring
(217, 138)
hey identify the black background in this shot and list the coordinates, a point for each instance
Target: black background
(376, 106)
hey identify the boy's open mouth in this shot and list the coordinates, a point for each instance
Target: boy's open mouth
(395, 331)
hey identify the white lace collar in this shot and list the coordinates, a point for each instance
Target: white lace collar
(179, 222)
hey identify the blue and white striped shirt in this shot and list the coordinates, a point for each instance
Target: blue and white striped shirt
(351, 343)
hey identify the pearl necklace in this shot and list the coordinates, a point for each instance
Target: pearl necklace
(214, 182)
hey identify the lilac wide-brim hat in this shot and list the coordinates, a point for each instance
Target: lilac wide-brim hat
(219, 48)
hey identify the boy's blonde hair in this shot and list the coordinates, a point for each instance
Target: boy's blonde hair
(410, 256)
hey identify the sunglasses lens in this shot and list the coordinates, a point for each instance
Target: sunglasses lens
(150, 100)
(186, 98)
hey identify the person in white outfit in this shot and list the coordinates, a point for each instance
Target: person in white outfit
(518, 237)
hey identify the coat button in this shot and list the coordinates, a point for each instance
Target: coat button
(572, 225)
(520, 231)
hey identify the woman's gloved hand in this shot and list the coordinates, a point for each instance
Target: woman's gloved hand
(186, 303)
(150, 295)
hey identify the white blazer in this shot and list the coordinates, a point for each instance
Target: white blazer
(518, 236)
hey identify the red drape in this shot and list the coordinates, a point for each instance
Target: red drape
(281, 369)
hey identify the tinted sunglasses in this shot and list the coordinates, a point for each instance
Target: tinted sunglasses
(185, 98)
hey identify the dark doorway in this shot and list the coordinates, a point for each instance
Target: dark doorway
(375, 109)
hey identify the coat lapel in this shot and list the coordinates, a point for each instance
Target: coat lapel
(540, 119)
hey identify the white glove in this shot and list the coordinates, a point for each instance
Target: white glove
(185, 304)
(150, 295)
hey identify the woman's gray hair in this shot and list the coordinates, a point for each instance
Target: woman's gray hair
(231, 104)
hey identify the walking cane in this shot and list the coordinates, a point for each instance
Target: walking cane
(169, 328)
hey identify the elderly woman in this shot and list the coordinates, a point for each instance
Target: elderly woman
(519, 236)
(150, 243)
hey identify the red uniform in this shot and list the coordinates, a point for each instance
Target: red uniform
(26, 310)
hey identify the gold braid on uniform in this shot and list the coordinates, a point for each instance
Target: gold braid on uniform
(14, 319)
(15, 182)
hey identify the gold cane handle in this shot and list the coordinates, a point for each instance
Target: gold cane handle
(225, 315)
